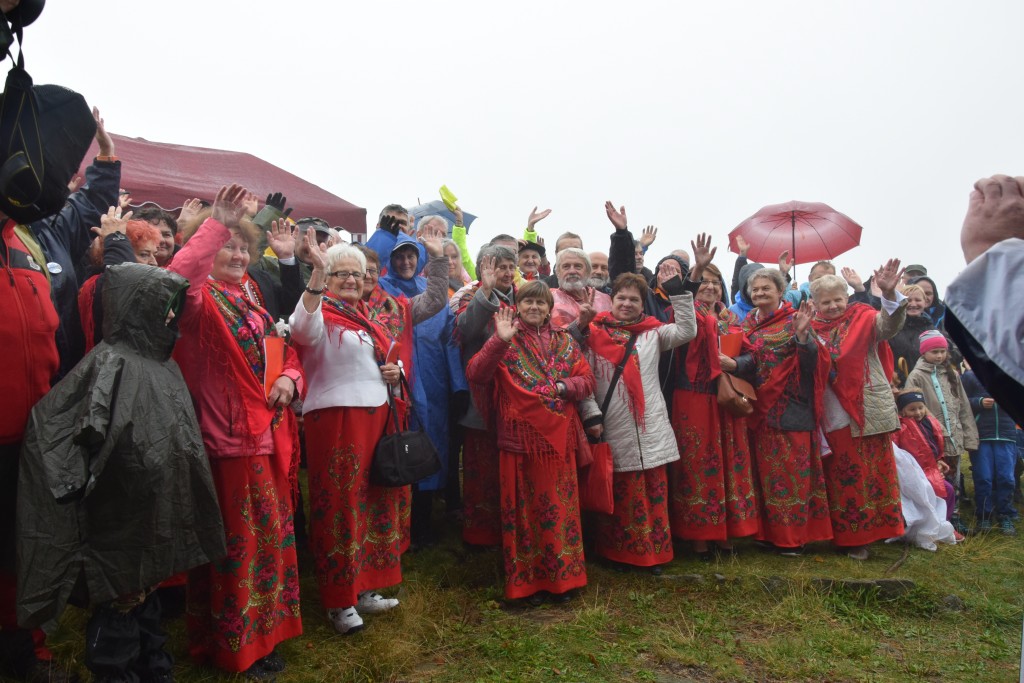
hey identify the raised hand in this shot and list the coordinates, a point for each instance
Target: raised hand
(648, 236)
(887, 277)
(618, 218)
(505, 323)
(488, 278)
(995, 213)
(112, 221)
(802, 320)
(785, 265)
(853, 279)
(458, 217)
(703, 252)
(229, 206)
(281, 238)
(252, 205)
(743, 245)
(316, 253)
(585, 316)
(75, 183)
(103, 139)
(537, 216)
(390, 224)
(432, 243)
(189, 210)
(124, 199)
(279, 201)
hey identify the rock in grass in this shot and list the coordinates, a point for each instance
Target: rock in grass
(953, 603)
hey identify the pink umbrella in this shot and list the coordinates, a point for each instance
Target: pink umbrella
(810, 231)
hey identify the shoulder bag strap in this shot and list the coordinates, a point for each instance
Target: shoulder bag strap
(618, 373)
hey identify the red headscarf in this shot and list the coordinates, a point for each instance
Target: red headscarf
(608, 338)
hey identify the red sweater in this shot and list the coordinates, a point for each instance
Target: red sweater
(911, 438)
(27, 342)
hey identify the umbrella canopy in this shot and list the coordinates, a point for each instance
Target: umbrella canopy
(437, 207)
(808, 230)
(168, 174)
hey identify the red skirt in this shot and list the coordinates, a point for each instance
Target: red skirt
(712, 484)
(637, 532)
(481, 509)
(542, 545)
(241, 607)
(863, 490)
(794, 504)
(355, 528)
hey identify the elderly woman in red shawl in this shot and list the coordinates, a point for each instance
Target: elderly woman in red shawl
(241, 607)
(532, 375)
(859, 411)
(782, 355)
(713, 495)
(356, 527)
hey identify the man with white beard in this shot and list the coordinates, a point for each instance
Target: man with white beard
(572, 267)
(599, 275)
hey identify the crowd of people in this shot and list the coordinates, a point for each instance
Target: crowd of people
(171, 375)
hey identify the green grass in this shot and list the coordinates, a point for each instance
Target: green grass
(767, 621)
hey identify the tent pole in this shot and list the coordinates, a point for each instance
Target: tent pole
(792, 252)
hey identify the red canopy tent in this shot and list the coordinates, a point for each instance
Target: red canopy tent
(167, 175)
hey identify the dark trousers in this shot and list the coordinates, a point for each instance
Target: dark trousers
(127, 644)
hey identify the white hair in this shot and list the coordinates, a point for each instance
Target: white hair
(338, 252)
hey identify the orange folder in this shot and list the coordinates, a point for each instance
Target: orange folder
(731, 344)
(273, 354)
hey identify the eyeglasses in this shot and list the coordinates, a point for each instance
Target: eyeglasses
(372, 271)
(713, 283)
(346, 274)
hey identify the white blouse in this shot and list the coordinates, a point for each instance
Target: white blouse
(339, 372)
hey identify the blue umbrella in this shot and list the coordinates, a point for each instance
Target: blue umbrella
(438, 208)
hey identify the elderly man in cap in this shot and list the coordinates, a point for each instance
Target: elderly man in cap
(572, 267)
(914, 270)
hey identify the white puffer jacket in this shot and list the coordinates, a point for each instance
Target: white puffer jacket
(633, 449)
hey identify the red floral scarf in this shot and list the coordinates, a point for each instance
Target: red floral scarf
(847, 340)
(608, 338)
(344, 316)
(702, 364)
(769, 339)
(527, 401)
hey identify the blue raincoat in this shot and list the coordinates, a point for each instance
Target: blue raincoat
(437, 364)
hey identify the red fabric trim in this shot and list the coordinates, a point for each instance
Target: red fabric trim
(608, 338)
(847, 340)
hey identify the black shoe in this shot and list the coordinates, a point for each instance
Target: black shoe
(657, 570)
(705, 555)
(535, 600)
(561, 598)
(258, 673)
(272, 662)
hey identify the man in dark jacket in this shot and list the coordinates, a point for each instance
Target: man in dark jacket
(114, 490)
(66, 236)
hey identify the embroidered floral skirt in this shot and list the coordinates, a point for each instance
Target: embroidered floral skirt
(712, 484)
(794, 505)
(355, 528)
(242, 606)
(863, 490)
(542, 544)
(637, 532)
(481, 507)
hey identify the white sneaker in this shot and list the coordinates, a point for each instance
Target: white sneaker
(346, 620)
(371, 602)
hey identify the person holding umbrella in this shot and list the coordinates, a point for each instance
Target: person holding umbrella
(859, 411)
(782, 357)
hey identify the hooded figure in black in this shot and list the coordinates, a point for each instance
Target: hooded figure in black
(114, 491)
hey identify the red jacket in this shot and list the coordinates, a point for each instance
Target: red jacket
(28, 323)
(911, 439)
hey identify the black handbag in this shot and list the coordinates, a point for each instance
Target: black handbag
(404, 457)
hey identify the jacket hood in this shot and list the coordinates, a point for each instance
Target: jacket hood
(407, 286)
(136, 300)
(935, 288)
(671, 257)
(745, 273)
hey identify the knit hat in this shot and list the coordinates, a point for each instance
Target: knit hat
(931, 340)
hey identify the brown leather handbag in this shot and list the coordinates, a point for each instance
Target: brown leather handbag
(735, 395)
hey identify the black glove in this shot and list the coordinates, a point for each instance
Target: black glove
(390, 224)
(674, 286)
(278, 201)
